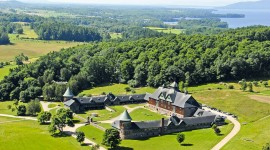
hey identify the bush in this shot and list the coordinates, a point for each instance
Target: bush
(21, 110)
(180, 137)
(230, 87)
(266, 147)
(33, 107)
(265, 83)
(43, 117)
(80, 137)
(128, 89)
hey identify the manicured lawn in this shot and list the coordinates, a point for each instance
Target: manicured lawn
(29, 135)
(142, 114)
(197, 139)
(116, 89)
(92, 133)
(166, 30)
(5, 71)
(105, 125)
(104, 114)
(4, 109)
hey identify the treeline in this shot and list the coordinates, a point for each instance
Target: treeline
(231, 55)
(61, 31)
(8, 28)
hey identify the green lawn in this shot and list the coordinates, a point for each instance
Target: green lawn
(5, 71)
(52, 105)
(198, 139)
(142, 114)
(166, 30)
(29, 135)
(116, 89)
(104, 114)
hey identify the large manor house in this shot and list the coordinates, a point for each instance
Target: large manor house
(183, 111)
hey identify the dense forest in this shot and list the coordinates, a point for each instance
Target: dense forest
(234, 54)
(61, 31)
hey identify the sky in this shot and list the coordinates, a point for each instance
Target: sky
(158, 2)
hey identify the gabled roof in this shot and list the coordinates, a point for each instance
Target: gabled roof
(199, 120)
(68, 93)
(125, 116)
(69, 102)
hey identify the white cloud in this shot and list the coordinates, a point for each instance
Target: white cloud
(158, 2)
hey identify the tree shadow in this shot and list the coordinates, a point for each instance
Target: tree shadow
(121, 148)
(186, 144)
(45, 123)
(76, 121)
(220, 134)
(61, 134)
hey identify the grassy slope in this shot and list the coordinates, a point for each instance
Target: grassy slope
(252, 135)
(5, 110)
(30, 135)
(117, 89)
(199, 139)
(5, 71)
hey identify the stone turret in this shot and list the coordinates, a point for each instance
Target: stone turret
(68, 95)
(125, 120)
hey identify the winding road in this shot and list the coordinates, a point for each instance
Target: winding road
(235, 130)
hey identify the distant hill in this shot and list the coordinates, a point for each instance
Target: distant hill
(262, 4)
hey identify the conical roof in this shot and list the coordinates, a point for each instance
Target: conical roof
(68, 93)
(174, 85)
(125, 116)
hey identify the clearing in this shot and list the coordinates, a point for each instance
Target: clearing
(264, 99)
(166, 30)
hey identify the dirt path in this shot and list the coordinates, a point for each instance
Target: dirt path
(260, 98)
(45, 106)
(20, 117)
(235, 130)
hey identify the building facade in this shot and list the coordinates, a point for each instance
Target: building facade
(170, 101)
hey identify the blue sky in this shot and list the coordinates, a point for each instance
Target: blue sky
(158, 2)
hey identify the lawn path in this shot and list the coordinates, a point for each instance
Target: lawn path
(235, 130)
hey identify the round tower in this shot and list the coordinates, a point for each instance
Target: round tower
(68, 95)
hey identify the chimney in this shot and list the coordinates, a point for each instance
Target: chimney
(162, 125)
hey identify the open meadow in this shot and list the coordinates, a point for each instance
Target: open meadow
(167, 30)
(5, 71)
(30, 46)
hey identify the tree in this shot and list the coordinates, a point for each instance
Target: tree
(216, 129)
(111, 138)
(33, 107)
(243, 84)
(95, 147)
(265, 83)
(21, 111)
(44, 117)
(62, 118)
(80, 136)
(250, 87)
(180, 137)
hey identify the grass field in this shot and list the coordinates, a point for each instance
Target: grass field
(142, 114)
(197, 139)
(29, 135)
(116, 89)
(115, 35)
(135, 105)
(166, 30)
(5, 71)
(30, 47)
(4, 109)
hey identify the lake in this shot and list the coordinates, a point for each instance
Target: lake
(252, 17)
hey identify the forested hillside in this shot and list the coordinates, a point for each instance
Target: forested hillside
(234, 54)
